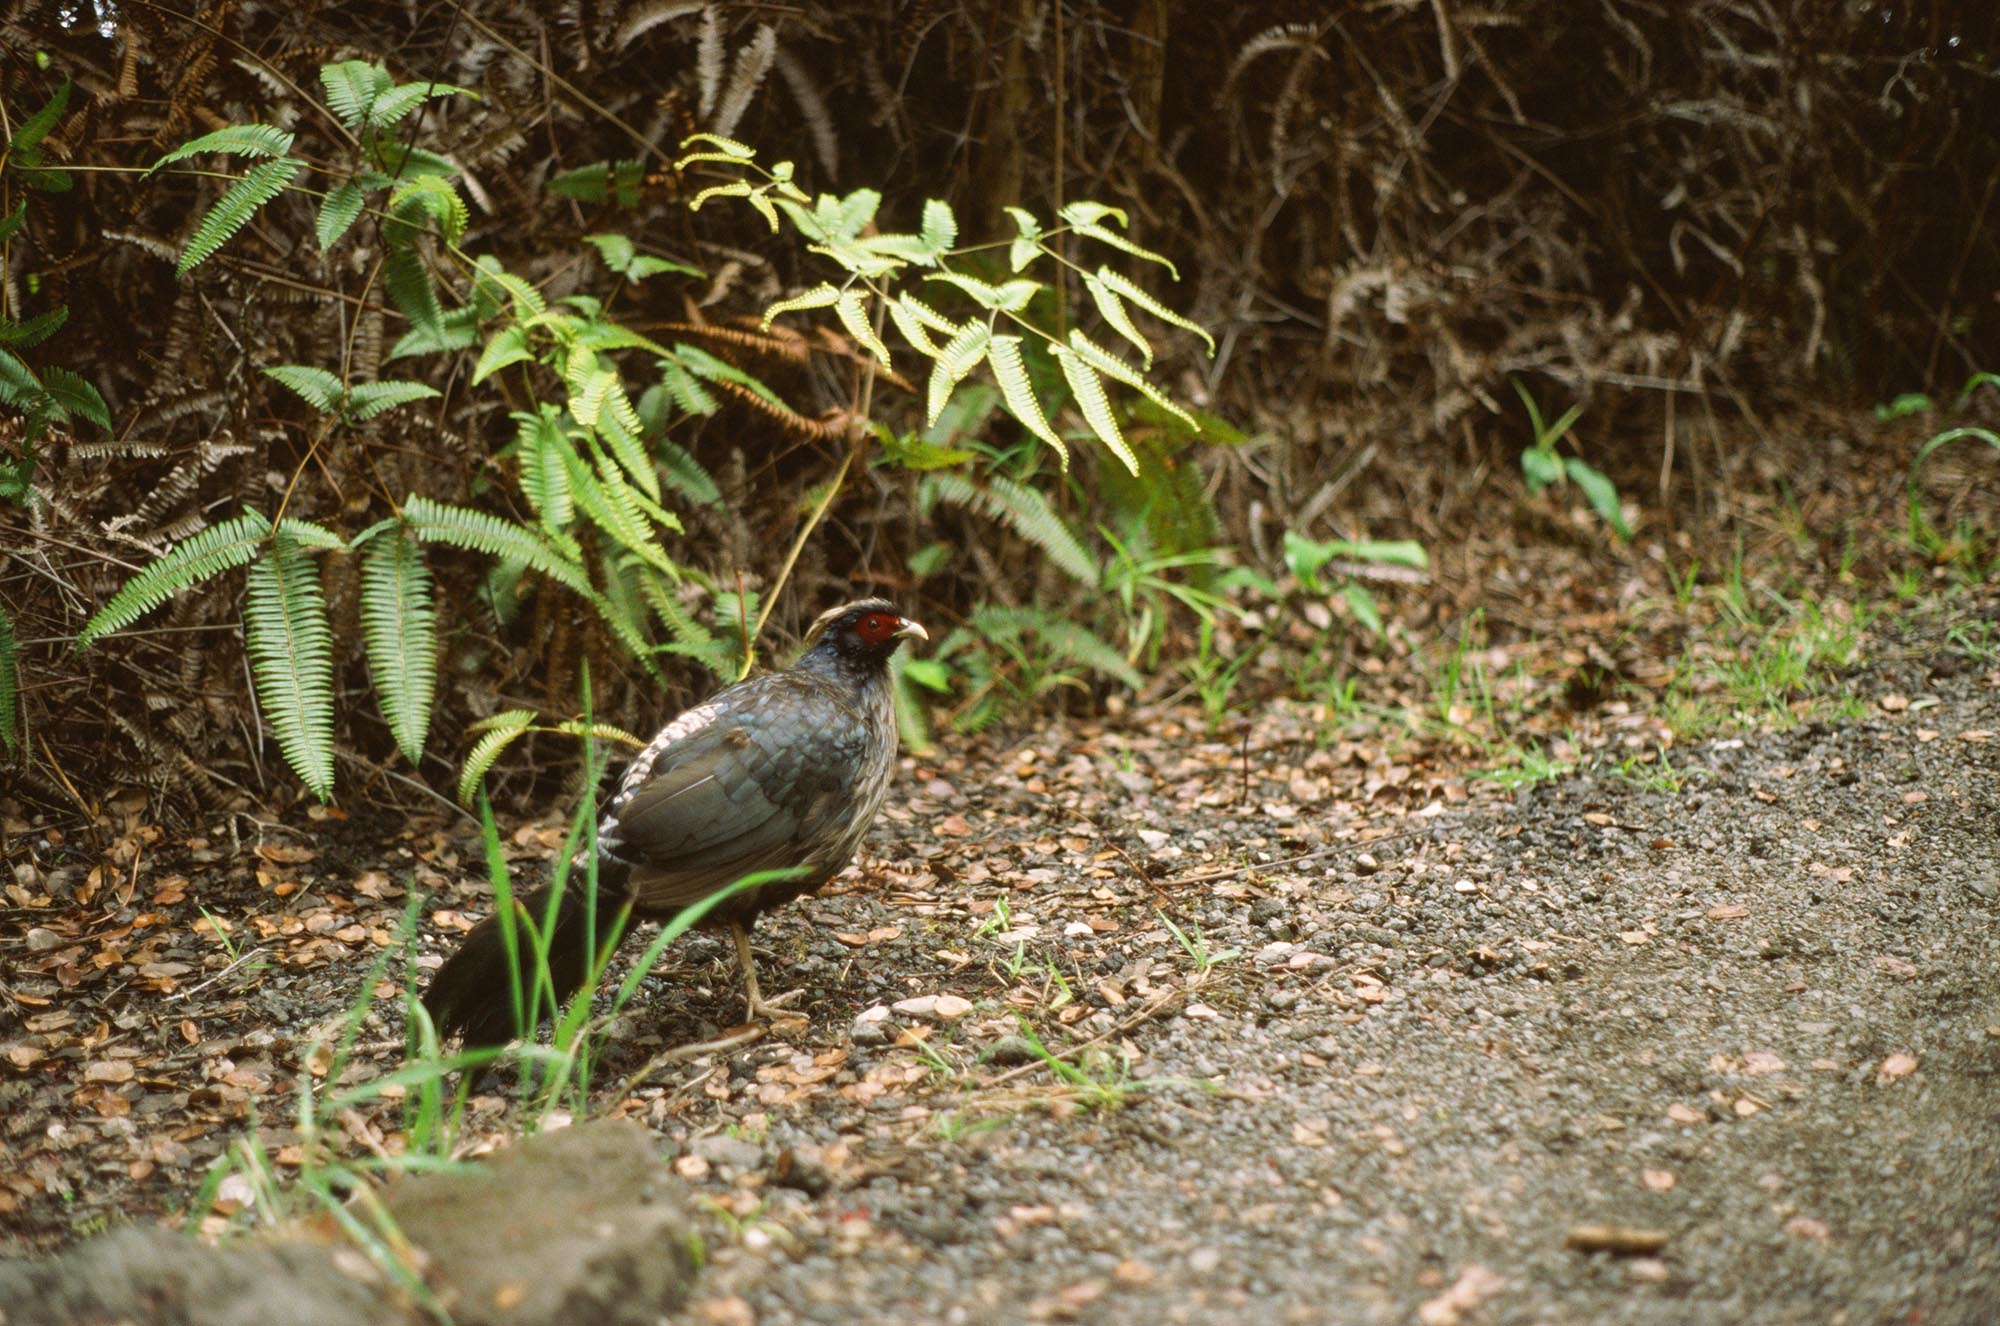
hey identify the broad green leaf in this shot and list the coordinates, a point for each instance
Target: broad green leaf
(1600, 493)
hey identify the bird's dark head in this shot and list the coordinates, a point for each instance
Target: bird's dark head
(864, 632)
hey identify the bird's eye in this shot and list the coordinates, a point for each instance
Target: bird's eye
(878, 627)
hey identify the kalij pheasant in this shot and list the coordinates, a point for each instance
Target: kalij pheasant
(785, 770)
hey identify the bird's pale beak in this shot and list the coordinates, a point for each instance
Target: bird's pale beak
(909, 630)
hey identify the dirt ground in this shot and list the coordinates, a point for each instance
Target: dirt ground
(1736, 1015)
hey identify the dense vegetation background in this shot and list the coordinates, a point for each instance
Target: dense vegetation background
(1692, 219)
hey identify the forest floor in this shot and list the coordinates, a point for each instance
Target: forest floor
(1314, 1016)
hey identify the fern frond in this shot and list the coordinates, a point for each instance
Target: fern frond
(236, 140)
(539, 444)
(1111, 366)
(957, 359)
(506, 347)
(1083, 217)
(1121, 285)
(436, 522)
(619, 425)
(10, 683)
(501, 730)
(342, 205)
(316, 386)
(233, 210)
(1062, 638)
(399, 628)
(686, 475)
(352, 88)
(852, 310)
(1088, 389)
(72, 395)
(365, 400)
(1020, 508)
(409, 284)
(1004, 356)
(291, 658)
(1112, 309)
(207, 554)
(820, 296)
(30, 332)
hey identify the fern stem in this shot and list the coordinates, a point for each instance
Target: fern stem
(798, 546)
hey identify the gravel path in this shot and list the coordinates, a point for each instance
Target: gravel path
(1752, 1024)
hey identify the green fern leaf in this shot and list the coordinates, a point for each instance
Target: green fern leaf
(365, 400)
(1023, 510)
(729, 148)
(428, 198)
(409, 284)
(1063, 639)
(602, 182)
(1088, 389)
(399, 628)
(10, 683)
(193, 560)
(618, 424)
(957, 359)
(291, 658)
(233, 210)
(1122, 286)
(539, 444)
(352, 87)
(1111, 366)
(1004, 355)
(28, 334)
(1083, 217)
(494, 283)
(606, 499)
(940, 227)
(1026, 246)
(398, 102)
(436, 522)
(686, 475)
(1112, 309)
(317, 538)
(236, 140)
(506, 347)
(317, 387)
(686, 389)
(820, 296)
(73, 395)
(501, 730)
(913, 327)
(343, 204)
(852, 310)
(1008, 297)
(37, 126)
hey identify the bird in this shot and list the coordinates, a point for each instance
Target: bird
(782, 771)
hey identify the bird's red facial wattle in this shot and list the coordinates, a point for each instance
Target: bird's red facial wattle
(879, 628)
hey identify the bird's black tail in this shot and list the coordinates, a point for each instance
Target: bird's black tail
(473, 994)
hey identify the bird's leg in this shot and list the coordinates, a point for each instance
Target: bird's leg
(755, 1004)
